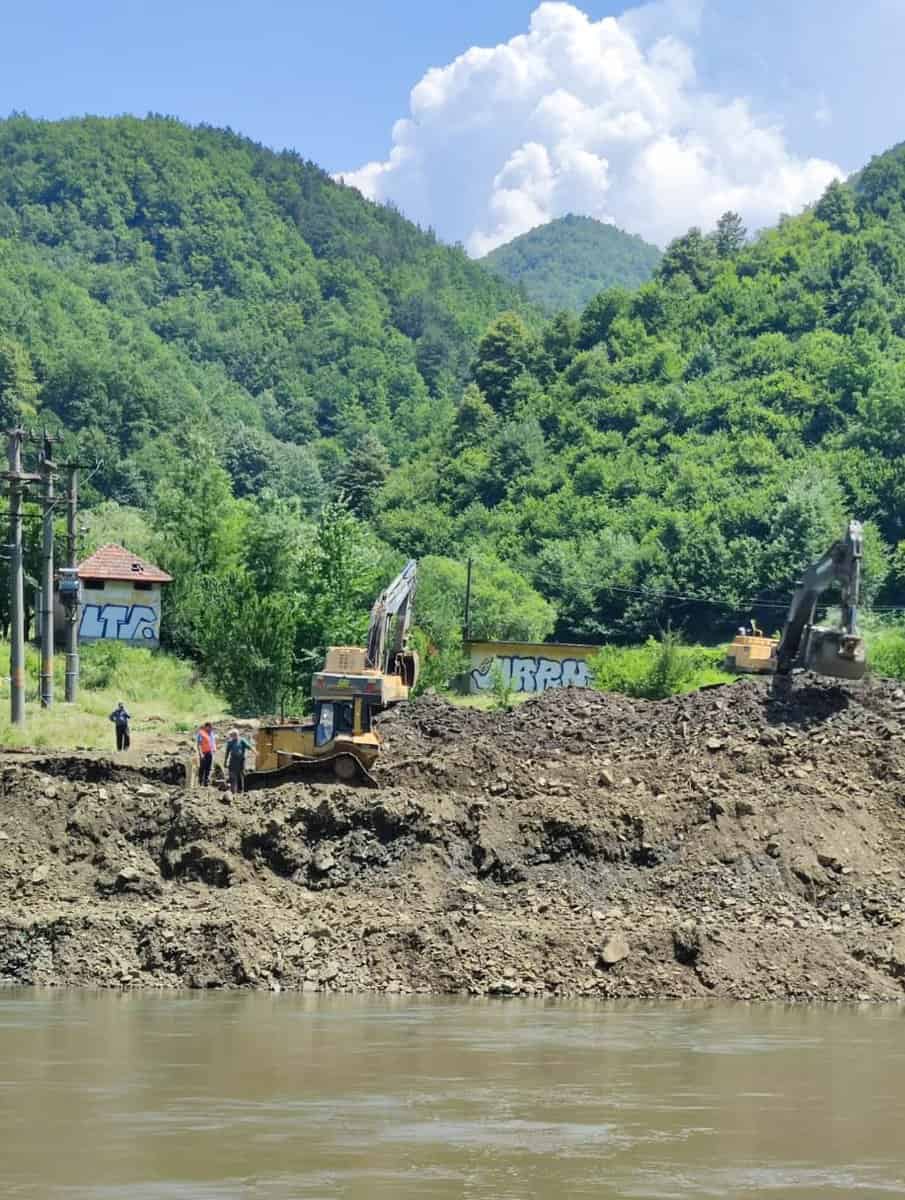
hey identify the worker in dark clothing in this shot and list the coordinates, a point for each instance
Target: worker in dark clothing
(206, 741)
(121, 719)
(236, 749)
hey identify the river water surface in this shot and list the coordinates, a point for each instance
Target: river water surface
(215, 1096)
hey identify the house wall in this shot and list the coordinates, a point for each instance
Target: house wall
(119, 612)
(529, 666)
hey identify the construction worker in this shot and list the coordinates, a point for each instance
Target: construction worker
(234, 761)
(206, 741)
(121, 719)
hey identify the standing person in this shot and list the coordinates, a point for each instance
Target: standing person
(121, 719)
(207, 747)
(236, 749)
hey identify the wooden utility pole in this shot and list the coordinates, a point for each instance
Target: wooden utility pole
(467, 626)
(16, 481)
(71, 597)
(47, 475)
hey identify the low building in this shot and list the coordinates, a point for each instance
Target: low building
(121, 595)
(529, 666)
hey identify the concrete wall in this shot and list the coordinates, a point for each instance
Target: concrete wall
(529, 667)
(118, 612)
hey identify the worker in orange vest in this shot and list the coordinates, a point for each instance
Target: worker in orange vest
(207, 748)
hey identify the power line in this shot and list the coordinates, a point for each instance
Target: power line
(721, 602)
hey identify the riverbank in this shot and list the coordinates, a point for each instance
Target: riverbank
(727, 843)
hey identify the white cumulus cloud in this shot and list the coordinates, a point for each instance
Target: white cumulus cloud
(604, 118)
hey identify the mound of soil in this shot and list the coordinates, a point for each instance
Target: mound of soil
(736, 842)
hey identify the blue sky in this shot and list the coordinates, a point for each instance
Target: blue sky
(330, 79)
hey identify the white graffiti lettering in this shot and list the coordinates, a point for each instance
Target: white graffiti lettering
(125, 623)
(529, 674)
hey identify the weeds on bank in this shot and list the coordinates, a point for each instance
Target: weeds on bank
(161, 692)
(885, 646)
(662, 667)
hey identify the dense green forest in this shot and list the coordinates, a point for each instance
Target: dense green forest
(565, 263)
(292, 390)
(699, 437)
(164, 280)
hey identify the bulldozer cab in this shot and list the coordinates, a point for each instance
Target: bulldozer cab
(335, 717)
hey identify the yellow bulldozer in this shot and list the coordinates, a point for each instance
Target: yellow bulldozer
(339, 740)
(751, 653)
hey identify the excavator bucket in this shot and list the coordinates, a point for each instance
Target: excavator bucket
(836, 653)
(330, 768)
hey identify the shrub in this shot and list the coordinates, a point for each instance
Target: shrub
(886, 651)
(500, 687)
(660, 668)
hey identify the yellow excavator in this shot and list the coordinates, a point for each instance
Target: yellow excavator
(339, 740)
(836, 652)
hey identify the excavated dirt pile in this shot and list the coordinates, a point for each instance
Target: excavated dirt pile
(731, 843)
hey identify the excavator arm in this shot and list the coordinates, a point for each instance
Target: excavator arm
(835, 652)
(391, 620)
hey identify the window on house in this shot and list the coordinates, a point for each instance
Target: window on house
(94, 585)
(142, 585)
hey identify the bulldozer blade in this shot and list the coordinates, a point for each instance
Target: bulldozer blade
(332, 768)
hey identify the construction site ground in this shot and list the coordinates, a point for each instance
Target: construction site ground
(732, 843)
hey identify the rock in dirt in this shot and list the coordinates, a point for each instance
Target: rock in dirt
(614, 949)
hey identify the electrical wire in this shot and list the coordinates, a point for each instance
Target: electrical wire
(719, 602)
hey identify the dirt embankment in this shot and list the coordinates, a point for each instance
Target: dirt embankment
(729, 843)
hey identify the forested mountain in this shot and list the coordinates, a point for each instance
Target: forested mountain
(565, 263)
(156, 278)
(292, 390)
(699, 437)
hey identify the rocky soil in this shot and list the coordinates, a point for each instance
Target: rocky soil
(731, 843)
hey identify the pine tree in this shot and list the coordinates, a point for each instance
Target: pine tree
(362, 475)
(730, 235)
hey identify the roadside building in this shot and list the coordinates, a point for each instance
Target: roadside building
(121, 596)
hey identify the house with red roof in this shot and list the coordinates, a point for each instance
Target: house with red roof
(121, 597)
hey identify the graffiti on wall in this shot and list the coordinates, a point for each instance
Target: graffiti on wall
(525, 673)
(125, 622)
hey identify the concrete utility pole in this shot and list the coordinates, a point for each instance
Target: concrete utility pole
(71, 599)
(16, 481)
(47, 476)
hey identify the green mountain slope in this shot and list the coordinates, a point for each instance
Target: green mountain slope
(190, 302)
(680, 451)
(157, 279)
(566, 262)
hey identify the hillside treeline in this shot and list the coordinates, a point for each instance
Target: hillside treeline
(291, 390)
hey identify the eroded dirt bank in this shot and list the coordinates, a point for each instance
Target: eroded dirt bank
(725, 844)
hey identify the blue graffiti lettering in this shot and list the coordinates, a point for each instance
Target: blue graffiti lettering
(127, 623)
(529, 674)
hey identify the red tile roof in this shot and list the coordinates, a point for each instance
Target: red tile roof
(113, 562)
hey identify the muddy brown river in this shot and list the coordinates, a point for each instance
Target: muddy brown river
(216, 1096)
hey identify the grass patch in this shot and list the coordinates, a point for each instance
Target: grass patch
(659, 668)
(885, 647)
(163, 694)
